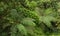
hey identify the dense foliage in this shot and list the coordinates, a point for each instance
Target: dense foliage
(29, 17)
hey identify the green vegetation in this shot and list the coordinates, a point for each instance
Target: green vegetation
(29, 18)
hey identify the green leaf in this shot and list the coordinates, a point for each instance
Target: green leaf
(13, 30)
(48, 11)
(21, 29)
(47, 20)
(28, 22)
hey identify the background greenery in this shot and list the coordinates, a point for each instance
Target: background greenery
(29, 17)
